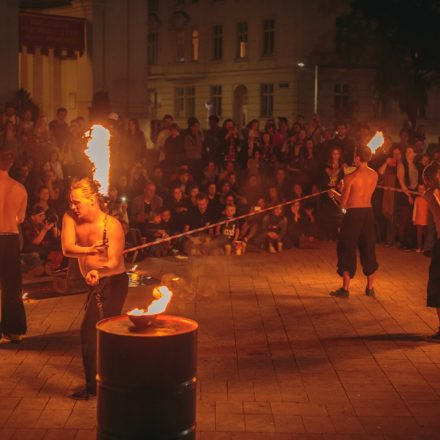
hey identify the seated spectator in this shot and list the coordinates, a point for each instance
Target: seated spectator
(144, 207)
(210, 174)
(40, 234)
(213, 199)
(251, 227)
(54, 164)
(226, 234)
(118, 208)
(138, 179)
(177, 204)
(158, 179)
(198, 217)
(191, 201)
(297, 226)
(274, 229)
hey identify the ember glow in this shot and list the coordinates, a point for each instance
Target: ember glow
(162, 297)
(376, 141)
(98, 151)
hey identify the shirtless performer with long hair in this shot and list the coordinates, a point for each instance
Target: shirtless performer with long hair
(357, 229)
(97, 240)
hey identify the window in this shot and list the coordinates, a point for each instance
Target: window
(180, 46)
(152, 47)
(242, 39)
(268, 37)
(195, 45)
(153, 6)
(216, 100)
(152, 101)
(184, 101)
(341, 96)
(217, 40)
(266, 100)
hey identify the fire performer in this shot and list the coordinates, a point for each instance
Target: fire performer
(431, 176)
(97, 240)
(357, 230)
(13, 199)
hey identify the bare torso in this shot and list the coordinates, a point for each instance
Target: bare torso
(89, 233)
(358, 188)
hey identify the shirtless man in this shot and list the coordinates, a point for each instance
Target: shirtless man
(431, 176)
(97, 240)
(357, 229)
(13, 200)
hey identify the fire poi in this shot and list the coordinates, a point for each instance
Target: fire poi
(145, 317)
(376, 141)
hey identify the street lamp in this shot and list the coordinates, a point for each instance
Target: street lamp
(316, 82)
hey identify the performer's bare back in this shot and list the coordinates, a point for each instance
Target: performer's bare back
(358, 188)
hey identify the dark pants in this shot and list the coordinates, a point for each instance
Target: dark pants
(357, 231)
(434, 277)
(104, 300)
(13, 316)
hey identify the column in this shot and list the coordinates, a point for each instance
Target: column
(8, 50)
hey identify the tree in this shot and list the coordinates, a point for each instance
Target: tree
(399, 38)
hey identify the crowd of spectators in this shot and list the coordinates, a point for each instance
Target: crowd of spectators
(201, 177)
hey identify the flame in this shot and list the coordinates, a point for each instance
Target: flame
(162, 297)
(98, 151)
(376, 141)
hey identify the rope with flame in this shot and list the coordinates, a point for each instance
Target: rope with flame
(244, 216)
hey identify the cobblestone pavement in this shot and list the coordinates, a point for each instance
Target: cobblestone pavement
(278, 357)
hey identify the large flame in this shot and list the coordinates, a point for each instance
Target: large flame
(98, 151)
(163, 296)
(376, 141)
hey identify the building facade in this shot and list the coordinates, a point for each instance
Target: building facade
(240, 59)
(248, 59)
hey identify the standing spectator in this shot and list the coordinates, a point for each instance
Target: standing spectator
(388, 173)
(174, 150)
(231, 141)
(193, 144)
(331, 178)
(43, 142)
(408, 174)
(212, 141)
(163, 135)
(59, 128)
(136, 141)
(13, 199)
(420, 217)
(343, 142)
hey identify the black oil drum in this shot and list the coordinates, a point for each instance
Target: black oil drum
(147, 379)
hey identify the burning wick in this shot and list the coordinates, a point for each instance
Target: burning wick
(163, 296)
(376, 141)
(98, 151)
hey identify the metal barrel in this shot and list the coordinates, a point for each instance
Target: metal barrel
(147, 379)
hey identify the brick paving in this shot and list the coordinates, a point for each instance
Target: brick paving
(278, 357)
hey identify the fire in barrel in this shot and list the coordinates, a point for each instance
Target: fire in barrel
(147, 374)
